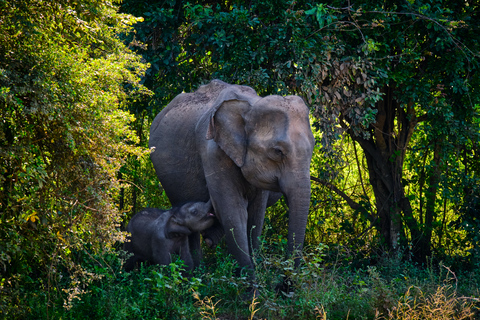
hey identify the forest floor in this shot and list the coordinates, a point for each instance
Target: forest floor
(325, 286)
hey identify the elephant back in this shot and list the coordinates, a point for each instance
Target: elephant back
(184, 110)
(175, 156)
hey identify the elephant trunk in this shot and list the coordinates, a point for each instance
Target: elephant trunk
(297, 191)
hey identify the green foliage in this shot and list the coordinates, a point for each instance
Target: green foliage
(65, 78)
(469, 221)
(322, 287)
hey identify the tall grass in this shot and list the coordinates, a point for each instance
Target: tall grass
(320, 289)
(441, 304)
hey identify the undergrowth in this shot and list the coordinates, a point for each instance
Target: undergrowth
(391, 289)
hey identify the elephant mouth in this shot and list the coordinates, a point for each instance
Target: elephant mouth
(267, 183)
(209, 216)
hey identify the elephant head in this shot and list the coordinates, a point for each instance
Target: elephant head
(271, 141)
(191, 217)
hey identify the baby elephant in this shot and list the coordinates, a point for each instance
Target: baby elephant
(157, 234)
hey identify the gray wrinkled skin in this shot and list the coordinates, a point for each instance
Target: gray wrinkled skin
(225, 143)
(157, 234)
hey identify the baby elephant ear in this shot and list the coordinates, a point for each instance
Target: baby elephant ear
(227, 122)
(174, 229)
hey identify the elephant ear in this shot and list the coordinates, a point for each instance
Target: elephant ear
(227, 121)
(174, 229)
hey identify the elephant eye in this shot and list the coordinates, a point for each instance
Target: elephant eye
(278, 152)
(194, 212)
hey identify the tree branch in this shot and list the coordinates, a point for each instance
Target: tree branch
(354, 205)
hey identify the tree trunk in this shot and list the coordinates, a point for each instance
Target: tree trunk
(424, 247)
(385, 154)
(387, 203)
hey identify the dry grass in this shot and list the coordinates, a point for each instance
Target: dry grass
(208, 309)
(443, 304)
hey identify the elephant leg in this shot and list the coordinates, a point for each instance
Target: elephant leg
(195, 248)
(273, 197)
(186, 256)
(228, 191)
(237, 240)
(231, 210)
(256, 216)
(161, 252)
(130, 263)
(133, 258)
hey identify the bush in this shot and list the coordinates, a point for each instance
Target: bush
(321, 290)
(65, 79)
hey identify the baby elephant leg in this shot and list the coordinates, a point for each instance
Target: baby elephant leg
(186, 256)
(161, 255)
(133, 259)
(130, 263)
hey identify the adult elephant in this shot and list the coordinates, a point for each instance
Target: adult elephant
(226, 143)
